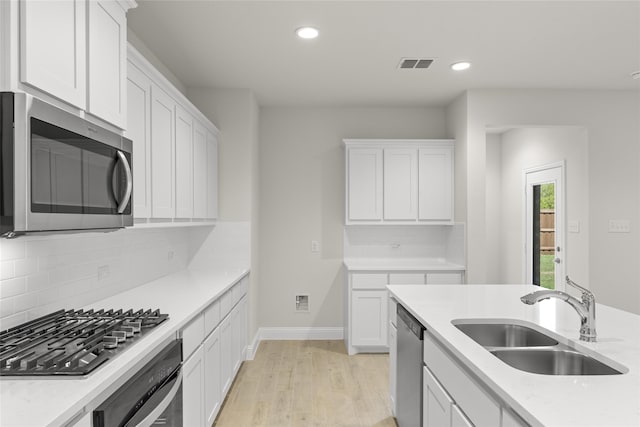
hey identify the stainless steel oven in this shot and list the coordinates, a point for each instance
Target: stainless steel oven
(59, 171)
(152, 397)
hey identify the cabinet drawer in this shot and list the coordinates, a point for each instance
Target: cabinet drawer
(481, 409)
(211, 317)
(237, 292)
(192, 336)
(368, 281)
(444, 278)
(406, 279)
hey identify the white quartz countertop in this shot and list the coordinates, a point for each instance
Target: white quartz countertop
(598, 400)
(42, 402)
(401, 264)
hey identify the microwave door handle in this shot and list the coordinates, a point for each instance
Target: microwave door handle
(122, 204)
(150, 415)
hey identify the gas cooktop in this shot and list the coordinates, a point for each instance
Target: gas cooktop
(72, 342)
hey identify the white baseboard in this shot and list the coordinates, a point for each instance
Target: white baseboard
(295, 334)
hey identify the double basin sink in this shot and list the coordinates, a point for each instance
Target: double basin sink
(529, 350)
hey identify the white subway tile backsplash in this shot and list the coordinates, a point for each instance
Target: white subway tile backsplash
(11, 249)
(7, 270)
(12, 287)
(41, 274)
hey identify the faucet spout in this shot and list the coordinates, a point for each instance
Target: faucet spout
(586, 307)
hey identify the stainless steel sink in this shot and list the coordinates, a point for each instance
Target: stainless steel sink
(553, 361)
(530, 350)
(505, 335)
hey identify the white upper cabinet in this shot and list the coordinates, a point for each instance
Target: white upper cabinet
(175, 151)
(139, 132)
(212, 176)
(435, 184)
(399, 181)
(162, 154)
(53, 48)
(400, 184)
(200, 172)
(107, 62)
(364, 184)
(184, 164)
(70, 52)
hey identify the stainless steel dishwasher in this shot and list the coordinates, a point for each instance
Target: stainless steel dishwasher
(409, 370)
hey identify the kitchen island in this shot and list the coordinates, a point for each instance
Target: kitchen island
(536, 399)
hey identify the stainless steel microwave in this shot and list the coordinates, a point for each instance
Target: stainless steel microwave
(59, 171)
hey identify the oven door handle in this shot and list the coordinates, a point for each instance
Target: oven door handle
(122, 204)
(149, 412)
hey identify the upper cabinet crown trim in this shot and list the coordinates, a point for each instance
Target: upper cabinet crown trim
(396, 143)
(138, 60)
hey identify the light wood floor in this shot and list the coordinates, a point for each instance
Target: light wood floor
(309, 383)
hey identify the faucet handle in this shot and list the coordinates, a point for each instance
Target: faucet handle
(586, 293)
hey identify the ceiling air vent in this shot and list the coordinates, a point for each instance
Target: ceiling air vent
(415, 63)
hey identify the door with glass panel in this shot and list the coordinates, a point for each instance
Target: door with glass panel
(544, 216)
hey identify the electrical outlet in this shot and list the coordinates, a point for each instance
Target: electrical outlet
(104, 271)
(170, 255)
(619, 226)
(315, 246)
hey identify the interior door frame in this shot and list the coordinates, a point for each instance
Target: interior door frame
(558, 170)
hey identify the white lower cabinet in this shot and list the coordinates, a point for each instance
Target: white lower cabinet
(436, 403)
(368, 308)
(213, 345)
(451, 397)
(212, 352)
(193, 375)
(393, 361)
(369, 326)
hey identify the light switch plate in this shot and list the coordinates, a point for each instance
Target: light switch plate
(574, 226)
(619, 226)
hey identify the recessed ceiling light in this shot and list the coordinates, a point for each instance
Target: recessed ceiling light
(459, 66)
(307, 32)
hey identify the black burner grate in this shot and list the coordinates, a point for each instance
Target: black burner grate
(72, 342)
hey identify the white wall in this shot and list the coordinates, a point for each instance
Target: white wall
(610, 119)
(40, 274)
(302, 199)
(508, 155)
(236, 114)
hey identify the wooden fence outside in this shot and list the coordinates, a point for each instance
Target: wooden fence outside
(547, 231)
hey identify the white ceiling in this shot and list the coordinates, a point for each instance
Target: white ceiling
(512, 44)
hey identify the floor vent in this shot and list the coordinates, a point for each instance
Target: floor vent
(302, 303)
(415, 63)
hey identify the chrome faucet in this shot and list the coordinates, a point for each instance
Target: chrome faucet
(585, 308)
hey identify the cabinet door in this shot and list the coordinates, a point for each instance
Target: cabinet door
(212, 376)
(200, 171)
(400, 184)
(139, 131)
(107, 61)
(369, 318)
(193, 390)
(226, 336)
(364, 175)
(184, 164)
(436, 403)
(444, 278)
(435, 184)
(53, 48)
(162, 154)
(393, 361)
(458, 419)
(212, 176)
